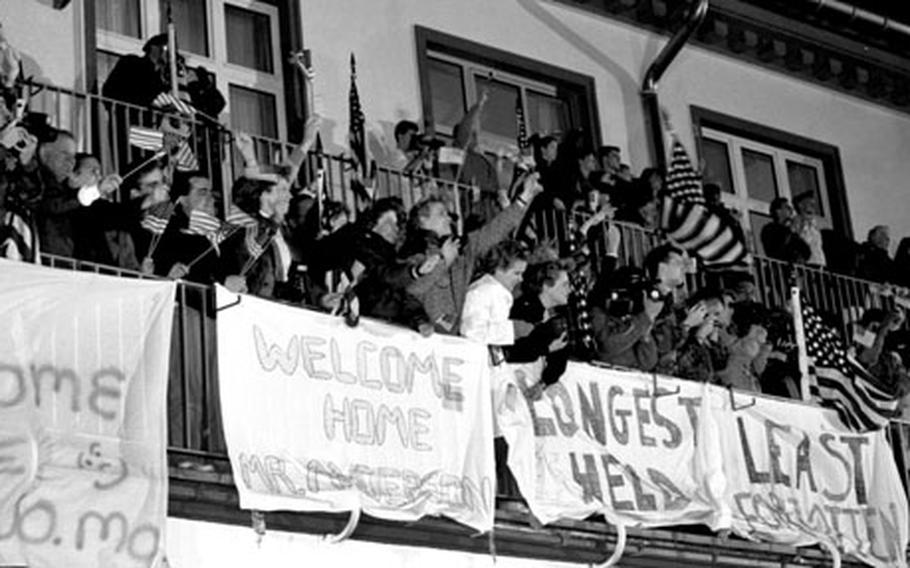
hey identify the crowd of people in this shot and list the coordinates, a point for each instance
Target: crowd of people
(472, 265)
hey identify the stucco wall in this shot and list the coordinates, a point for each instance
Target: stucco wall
(50, 40)
(874, 142)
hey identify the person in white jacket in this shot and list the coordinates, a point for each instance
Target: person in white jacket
(485, 316)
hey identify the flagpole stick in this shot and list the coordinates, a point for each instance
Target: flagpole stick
(156, 238)
(212, 247)
(156, 156)
(172, 49)
(796, 306)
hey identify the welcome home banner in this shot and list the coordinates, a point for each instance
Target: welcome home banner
(319, 416)
(618, 443)
(794, 475)
(83, 375)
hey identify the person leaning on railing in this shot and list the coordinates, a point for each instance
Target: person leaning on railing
(442, 291)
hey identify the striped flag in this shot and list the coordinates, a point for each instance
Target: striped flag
(689, 223)
(167, 101)
(838, 381)
(203, 223)
(240, 218)
(146, 138)
(157, 218)
(184, 157)
(356, 120)
(525, 155)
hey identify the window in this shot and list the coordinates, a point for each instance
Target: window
(247, 68)
(190, 23)
(455, 72)
(253, 112)
(251, 38)
(754, 170)
(119, 16)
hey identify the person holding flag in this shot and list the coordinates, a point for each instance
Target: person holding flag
(189, 247)
(690, 223)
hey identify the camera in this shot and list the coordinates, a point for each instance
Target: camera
(627, 292)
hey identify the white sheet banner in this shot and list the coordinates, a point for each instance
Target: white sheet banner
(796, 476)
(319, 416)
(83, 375)
(604, 441)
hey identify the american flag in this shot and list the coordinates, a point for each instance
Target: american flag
(689, 223)
(525, 156)
(157, 218)
(167, 101)
(153, 140)
(202, 223)
(146, 138)
(841, 383)
(240, 218)
(184, 157)
(356, 134)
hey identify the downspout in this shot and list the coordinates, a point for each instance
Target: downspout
(857, 14)
(656, 71)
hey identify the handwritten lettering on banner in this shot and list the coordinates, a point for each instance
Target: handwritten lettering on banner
(83, 371)
(795, 476)
(319, 416)
(605, 441)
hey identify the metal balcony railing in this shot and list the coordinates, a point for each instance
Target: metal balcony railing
(194, 415)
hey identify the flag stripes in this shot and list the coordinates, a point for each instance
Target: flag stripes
(689, 222)
(357, 121)
(146, 138)
(167, 101)
(157, 218)
(839, 382)
(203, 223)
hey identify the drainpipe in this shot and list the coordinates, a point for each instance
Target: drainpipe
(857, 14)
(656, 71)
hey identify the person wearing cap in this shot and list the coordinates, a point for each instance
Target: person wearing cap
(138, 79)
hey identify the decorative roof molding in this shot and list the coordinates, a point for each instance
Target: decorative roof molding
(829, 55)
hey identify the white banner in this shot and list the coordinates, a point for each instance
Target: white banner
(83, 375)
(794, 475)
(319, 416)
(604, 441)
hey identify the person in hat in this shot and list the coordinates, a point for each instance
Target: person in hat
(138, 79)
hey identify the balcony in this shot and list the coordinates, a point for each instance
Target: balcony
(201, 482)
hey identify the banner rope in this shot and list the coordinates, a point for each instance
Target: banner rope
(348, 530)
(835, 553)
(620, 548)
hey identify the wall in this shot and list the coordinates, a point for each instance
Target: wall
(874, 142)
(210, 545)
(50, 40)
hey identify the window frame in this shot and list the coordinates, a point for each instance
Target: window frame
(576, 89)
(790, 146)
(226, 73)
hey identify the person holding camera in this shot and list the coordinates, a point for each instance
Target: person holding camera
(623, 318)
(635, 322)
(701, 353)
(442, 291)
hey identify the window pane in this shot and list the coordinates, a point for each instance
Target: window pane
(757, 222)
(249, 38)
(120, 16)
(190, 22)
(804, 178)
(760, 181)
(253, 112)
(446, 92)
(717, 164)
(546, 114)
(105, 61)
(499, 113)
